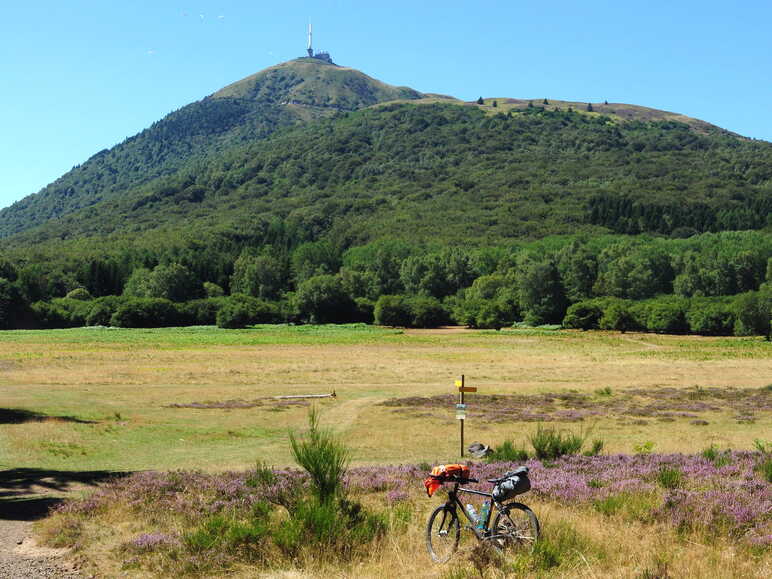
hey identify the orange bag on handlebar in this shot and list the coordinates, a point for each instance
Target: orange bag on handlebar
(442, 473)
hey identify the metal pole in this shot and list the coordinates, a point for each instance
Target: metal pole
(462, 421)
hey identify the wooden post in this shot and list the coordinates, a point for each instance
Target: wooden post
(461, 394)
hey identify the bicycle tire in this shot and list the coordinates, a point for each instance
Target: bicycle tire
(443, 533)
(516, 528)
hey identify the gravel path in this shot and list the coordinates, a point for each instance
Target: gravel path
(27, 495)
(21, 558)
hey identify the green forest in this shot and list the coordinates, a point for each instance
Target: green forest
(293, 196)
(712, 284)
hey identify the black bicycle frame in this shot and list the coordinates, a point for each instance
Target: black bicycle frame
(454, 501)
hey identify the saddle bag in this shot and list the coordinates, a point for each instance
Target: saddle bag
(513, 483)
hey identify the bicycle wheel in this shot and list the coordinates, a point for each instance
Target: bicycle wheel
(442, 533)
(515, 528)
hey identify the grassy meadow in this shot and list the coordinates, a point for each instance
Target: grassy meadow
(98, 398)
(200, 400)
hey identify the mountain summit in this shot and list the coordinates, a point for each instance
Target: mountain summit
(314, 83)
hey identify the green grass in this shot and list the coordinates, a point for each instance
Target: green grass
(196, 336)
(98, 398)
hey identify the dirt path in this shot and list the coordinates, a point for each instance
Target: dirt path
(21, 558)
(27, 495)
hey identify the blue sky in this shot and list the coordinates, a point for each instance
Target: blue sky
(82, 75)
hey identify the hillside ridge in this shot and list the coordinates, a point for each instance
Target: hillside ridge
(298, 94)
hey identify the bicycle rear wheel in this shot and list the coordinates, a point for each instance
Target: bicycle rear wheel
(442, 533)
(516, 528)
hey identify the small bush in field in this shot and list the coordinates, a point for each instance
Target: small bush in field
(717, 457)
(670, 477)
(507, 451)
(262, 475)
(335, 528)
(595, 449)
(548, 443)
(646, 447)
(322, 454)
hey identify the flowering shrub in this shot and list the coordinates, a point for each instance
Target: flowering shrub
(228, 516)
(664, 404)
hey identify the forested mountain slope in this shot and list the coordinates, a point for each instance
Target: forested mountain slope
(247, 111)
(451, 173)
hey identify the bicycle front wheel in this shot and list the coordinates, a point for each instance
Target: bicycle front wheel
(442, 533)
(516, 528)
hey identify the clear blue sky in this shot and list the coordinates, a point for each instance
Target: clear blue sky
(77, 76)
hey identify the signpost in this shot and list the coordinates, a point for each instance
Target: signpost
(461, 406)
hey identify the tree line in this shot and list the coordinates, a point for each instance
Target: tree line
(714, 283)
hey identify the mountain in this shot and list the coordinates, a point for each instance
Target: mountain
(288, 94)
(326, 152)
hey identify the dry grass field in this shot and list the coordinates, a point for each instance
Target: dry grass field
(90, 399)
(201, 399)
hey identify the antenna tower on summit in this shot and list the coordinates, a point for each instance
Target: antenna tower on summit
(323, 55)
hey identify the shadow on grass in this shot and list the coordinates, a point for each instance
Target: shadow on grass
(21, 489)
(19, 416)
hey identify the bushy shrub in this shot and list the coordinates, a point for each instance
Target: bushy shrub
(47, 316)
(323, 455)
(752, 315)
(507, 451)
(322, 299)
(233, 316)
(239, 311)
(710, 317)
(666, 315)
(212, 290)
(145, 313)
(482, 313)
(76, 310)
(670, 477)
(201, 312)
(79, 293)
(172, 282)
(327, 519)
(102, 309)
(393, 311)
(618, 316)
(548, 443)
(596, 448)
(365, 309)
(427, 312)
(584, 315)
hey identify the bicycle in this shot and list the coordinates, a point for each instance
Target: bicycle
(515, 526)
